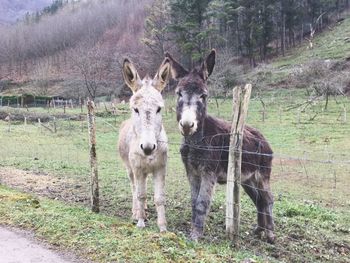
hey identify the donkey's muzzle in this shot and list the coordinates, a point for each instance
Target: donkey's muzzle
(186, 127)
(148, 149)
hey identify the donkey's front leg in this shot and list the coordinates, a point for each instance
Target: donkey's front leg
(134, 194)
(141, 198)
(202, 204)
(159, 197)
(195, 184)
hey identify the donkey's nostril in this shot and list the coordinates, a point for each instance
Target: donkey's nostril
(192, 125)
(148, 149)
(181, 124)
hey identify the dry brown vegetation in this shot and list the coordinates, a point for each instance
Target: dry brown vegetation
(54, 47)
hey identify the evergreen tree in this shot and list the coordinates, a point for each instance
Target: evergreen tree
(188, 24)
(156, 27)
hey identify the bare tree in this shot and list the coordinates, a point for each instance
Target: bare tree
(41, 77)
(94, 66)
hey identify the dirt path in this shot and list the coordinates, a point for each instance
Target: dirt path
(44, 184)
(20, 247)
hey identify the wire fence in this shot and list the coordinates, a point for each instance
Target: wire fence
(310, 180)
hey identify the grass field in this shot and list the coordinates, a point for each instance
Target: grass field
(310, 182)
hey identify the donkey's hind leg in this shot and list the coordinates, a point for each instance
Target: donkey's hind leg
(266, 206)
(253, 192)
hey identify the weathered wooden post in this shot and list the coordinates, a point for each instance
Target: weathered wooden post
(95, 206)
(344, 114)
(8, 118)
(81, 101)
(48, 106)
(54, 125)
(241, 98)
(39, 123)
(280, 113)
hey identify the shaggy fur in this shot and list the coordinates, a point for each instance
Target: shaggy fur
(205, 151)
(142, 141)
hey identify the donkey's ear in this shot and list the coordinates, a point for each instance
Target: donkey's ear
(131, 77)
(161, 78)
(177, 70)
(208, 65)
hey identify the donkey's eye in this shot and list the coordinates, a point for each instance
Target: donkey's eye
(203, 96)
(158, 110)
(179, 93)
(136, 110)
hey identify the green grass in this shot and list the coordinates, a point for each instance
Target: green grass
(312, 198)
(100, 237)
(330, 44)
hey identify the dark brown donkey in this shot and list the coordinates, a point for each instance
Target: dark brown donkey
(204, 150)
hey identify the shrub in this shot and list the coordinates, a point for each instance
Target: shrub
(323, 78)
(226, 75)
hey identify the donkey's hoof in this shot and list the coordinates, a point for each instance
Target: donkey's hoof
(162, 229)
(270, 237)
(141, 223)
(195, 235)
(257, 231)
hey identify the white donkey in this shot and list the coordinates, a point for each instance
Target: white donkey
(142, 140)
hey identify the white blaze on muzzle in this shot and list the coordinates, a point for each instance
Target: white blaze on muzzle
(148, 142)
(188, 122)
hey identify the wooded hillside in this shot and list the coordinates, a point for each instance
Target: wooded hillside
(75, 47)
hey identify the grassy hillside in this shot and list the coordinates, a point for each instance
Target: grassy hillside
(333, 43)
(330, 46)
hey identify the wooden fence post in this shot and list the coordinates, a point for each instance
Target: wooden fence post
(344, 115)
(81, 105)
(280, 113)
(39, 123)
(54, 125)
(9, 122)
(241, 98)
(95, 206)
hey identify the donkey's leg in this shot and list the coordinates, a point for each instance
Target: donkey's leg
(141, 198)
(134, 194)
(266, 206)
(251, 189)
(159, 197)
(202, 205)
(195, 184)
